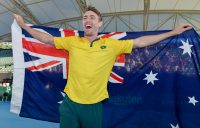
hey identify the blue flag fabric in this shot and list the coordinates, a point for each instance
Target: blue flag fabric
(161, 88)
(155, 87)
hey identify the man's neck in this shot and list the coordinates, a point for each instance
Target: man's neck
(91, 38)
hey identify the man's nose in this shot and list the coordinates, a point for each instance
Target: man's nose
(87, 20)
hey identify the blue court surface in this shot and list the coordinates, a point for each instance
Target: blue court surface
(11, 120)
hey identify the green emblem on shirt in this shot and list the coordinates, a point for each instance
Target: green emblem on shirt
(103, 47)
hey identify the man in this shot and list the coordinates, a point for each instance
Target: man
(90, 64)
(6, 93)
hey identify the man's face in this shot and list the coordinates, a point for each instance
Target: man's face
(91, 23)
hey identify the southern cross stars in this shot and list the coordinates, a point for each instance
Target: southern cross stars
(192, 100)
(177, 126)
(186, 47)
(150, 77)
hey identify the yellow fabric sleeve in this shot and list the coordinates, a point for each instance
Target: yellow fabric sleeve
(64, 42)
(123, 46)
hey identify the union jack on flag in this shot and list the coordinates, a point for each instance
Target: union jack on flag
(48, 57)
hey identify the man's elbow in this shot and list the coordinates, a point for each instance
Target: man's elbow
(139, 44)
(49, 40)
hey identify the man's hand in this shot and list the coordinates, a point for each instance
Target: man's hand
(181, 28)
(19, 19)
(41, 36)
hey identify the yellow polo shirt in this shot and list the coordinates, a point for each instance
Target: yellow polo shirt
(90, 65)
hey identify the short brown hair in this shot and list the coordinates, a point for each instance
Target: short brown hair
(91, 8)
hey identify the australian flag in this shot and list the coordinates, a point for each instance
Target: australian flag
(153, 87)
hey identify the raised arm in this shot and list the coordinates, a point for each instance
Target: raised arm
(41, 36)
(153, 39)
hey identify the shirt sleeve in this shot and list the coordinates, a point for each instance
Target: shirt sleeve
(123, 46)
(63, 42)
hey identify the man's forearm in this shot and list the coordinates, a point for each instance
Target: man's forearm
(152, 39)
(41, 36)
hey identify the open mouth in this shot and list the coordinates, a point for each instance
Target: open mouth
(88, 26)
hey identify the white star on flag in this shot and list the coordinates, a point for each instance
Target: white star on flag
(63, 94)
(174, 126)
(150, 77)
(186, 47)
(192, 100)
